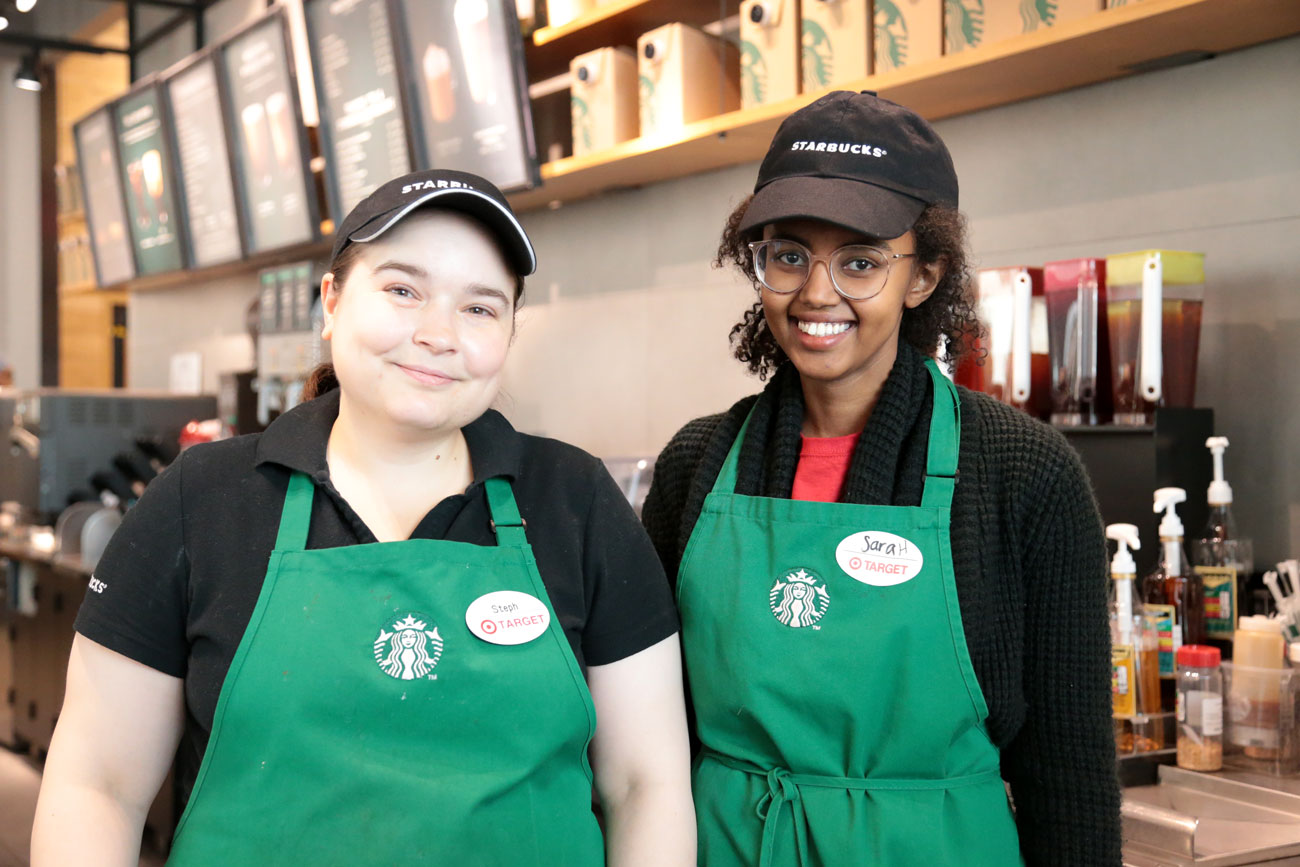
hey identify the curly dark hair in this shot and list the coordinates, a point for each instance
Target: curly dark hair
(947, 319)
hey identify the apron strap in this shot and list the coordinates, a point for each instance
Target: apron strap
(507, 523)
(295, 517)
(730, 472)
(945, 436)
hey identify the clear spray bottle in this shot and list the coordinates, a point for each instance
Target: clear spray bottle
(1135, 650)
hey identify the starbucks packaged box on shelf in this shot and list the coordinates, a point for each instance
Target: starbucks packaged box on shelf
(604, 99)
(836, 43)
(906, 32)
(971, 23)
(769, 50)
(684, 75)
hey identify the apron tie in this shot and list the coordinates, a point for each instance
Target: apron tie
(784, 787)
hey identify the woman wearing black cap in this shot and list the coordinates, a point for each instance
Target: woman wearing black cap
(382, 630)
(891, 590)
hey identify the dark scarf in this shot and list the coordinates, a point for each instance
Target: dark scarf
(888, 464)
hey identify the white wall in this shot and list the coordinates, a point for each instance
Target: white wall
(624, 337)
(20, 229)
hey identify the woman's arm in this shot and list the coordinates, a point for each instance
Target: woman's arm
(641, 759)
(1061, 765)
(116, 737)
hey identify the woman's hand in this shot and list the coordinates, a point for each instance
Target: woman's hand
(641, 758)
(116, 737)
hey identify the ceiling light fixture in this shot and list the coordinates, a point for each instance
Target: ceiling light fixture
(27, 78)
(4, 22)
(25, 5)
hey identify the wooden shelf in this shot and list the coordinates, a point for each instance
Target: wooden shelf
(1111, 44)
(615, 22)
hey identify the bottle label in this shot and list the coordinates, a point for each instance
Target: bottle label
(1220, 600)
(1166, 623)
(1211, 714)
(1123, 696)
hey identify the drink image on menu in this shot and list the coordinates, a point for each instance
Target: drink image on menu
(151, 168)
(135, 173)
(475, 33)
(281, 121)
(437, 78)
(257, 142)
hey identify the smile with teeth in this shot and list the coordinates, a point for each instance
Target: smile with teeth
(822, 329)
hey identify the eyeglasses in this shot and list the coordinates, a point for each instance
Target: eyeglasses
(857, 271)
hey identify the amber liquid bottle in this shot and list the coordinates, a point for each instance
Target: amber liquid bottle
(1174, 584)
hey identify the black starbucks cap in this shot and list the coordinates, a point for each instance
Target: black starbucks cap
(438, 188)
(855, 160)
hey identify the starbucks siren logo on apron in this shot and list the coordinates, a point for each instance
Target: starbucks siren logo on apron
(799, 598)
(409, 651)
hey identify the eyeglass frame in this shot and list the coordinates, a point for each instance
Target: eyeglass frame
(825, 260)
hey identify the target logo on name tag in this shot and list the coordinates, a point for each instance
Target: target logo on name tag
(879, 559)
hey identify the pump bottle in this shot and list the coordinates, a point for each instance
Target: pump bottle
(1223, 559)
(1172, 593)
(1135, 648)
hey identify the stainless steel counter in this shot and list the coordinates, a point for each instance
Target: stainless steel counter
(1224, 819)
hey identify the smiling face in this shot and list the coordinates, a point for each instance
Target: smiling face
(419, 333)
(833, 339)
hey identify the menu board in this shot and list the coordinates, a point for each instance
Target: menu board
(363, 132)
(269, 140)
(469, 89)
(146, 163)
(105, 211)
(206, 183)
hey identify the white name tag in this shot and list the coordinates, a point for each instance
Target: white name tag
(507, 617)
(879, 559)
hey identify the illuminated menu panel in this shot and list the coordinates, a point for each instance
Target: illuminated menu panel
(206, 182)
(105, 210)
(269, 142)
(469, 89)
(146, 162)
(363, 132)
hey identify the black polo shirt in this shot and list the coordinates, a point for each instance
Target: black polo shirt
(178, 582)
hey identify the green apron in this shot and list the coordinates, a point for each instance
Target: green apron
(362, 722)
(839, 716)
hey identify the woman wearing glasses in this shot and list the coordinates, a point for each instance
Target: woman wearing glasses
(891, 590)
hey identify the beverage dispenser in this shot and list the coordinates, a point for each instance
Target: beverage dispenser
(1015, 363)
(1153, 308)
(1078, 341)
(769, 51)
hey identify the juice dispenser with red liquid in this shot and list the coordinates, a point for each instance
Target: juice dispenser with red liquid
(1153, 306)
(1078, 341)
(1015, 364)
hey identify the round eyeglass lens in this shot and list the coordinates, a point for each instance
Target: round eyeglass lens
(858, 271)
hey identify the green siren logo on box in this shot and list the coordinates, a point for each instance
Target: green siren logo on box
(753, 72)
(581, 120)
(799, 598)
(1036, 12)
(963, 24)
(818, 56)
(647, 89)
(891, 36)
(407, 649)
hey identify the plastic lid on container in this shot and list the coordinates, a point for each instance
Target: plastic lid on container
(1198, 656)
(1179, 267)
(1260, 623)
(1067, 274)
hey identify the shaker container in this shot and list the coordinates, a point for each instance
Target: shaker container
(1078, 341)
(1015, 367)
(1153, 307)
(1200, 708)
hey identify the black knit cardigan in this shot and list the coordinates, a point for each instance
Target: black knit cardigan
(1030, 563)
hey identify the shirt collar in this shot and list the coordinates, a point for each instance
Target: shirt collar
(297, 439)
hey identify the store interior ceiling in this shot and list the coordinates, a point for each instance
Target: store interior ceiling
(54, 25)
